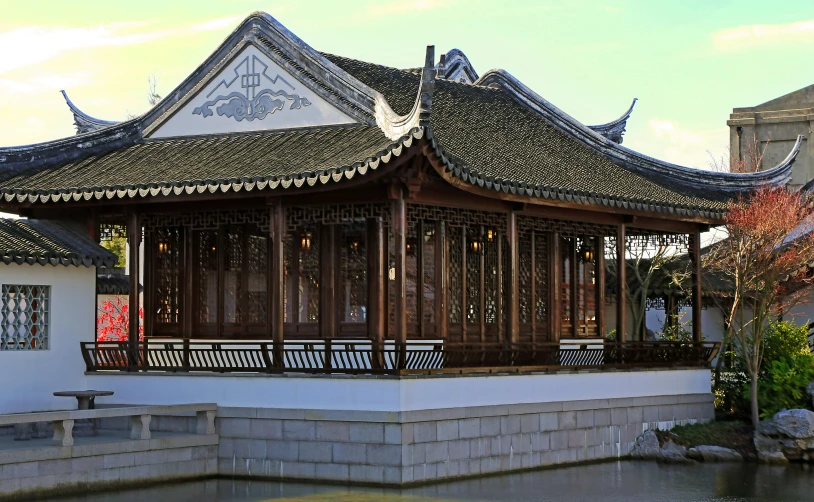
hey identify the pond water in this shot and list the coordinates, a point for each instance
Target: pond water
(616, 481)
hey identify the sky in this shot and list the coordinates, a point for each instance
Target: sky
(689, 62)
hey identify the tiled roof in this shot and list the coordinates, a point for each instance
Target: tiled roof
(207, 163)
(50, 242)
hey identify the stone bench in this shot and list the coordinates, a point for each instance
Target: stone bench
(140, 417)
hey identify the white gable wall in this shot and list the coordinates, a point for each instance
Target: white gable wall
(30, 377)
(252, 93)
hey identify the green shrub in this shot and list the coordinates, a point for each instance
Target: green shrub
(784, 340)
(783, 386)
(675, 331)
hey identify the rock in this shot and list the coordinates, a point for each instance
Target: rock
(795, 423)
(769, 450)
(714, 454)
(810, 391)
(673, 453)
(647, 447)
(767, 428)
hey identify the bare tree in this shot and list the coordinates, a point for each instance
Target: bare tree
(152, 90)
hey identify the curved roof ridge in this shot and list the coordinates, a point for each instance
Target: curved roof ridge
(84, 122)
(394, 125)
(50, 242)
(455, 61)
(630, 159)
(615, 129)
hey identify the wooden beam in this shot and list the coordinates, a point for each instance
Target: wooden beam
(327, 281)
(555, 291)
(441, 271)
(399, 223)
(621, 284)
(134, 269)
(376, 277)
(695, 243)
(276, 272)
(599, 284)
(513, 296)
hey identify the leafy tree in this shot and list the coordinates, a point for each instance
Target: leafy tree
(770, 238)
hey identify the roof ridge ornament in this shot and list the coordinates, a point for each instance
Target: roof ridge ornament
(615, 129)
(82, 121)
(395, 126)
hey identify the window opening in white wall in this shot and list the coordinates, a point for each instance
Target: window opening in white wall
(24, 317)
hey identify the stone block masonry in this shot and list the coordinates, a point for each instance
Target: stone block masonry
(402, 448)
(109, 460)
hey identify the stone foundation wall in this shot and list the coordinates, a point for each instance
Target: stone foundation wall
(395, 448)
(50, 469)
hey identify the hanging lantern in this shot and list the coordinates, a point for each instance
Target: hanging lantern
(490, 234)
(162, 247)
(305, 242)
(476, 245)
(586, 252)
(411, 246)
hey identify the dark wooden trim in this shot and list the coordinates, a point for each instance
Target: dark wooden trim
(399, 224)
(134, 266)
(482, 285)
(441, 274)
(621, 284)
(188, 281)
(376, 283)
(599, 285)
(513, 307)
(148, 284)
(573, 265)
(695, 242)
(554, 289)
(533, 286)
(276, 272)
(327, 281)
(221, 257)
(419, 278)
(463, 285)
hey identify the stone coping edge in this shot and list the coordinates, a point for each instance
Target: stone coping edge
(459, 413)
(203, 374)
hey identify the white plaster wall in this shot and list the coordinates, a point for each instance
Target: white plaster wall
(712, 321)
(392, 394)
(29, 378)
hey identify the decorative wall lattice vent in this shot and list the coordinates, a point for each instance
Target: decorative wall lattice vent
(24, 317)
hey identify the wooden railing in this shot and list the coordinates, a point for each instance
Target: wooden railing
(362, 357)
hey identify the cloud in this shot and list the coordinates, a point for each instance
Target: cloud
(402, 7)
(763, 33)
(673, 143)
(676, 135)
(38, 44)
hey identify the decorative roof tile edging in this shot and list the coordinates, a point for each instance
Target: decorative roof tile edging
(310, 178)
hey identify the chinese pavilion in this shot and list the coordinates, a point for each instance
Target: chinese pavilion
(288, 199)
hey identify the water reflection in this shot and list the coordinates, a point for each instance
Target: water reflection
(620, 481)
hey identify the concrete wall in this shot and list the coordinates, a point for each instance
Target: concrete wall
(31, 377)
(393, 394)
(397, 431)
(418, 446)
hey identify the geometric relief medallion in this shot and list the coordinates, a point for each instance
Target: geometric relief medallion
(24, 317)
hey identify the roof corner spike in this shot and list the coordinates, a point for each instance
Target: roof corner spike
(427, 87)
(84, 122)
(614, 130)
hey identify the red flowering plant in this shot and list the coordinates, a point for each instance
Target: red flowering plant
(113, 321)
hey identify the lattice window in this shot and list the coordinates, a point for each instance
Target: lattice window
(473, 276)
(353, 273)
(428, 241)
(257, 283)
(492, 276)
(455, 258)
(167, 275)
(25, 317)
(541, 258)
(411, 287)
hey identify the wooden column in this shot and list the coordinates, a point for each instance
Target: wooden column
(327, 281)
(188, 279)
(513, 294)
(599, 284)
(621, 284)
(398, 215)
(573, 273)
(376, 306)
(695, 243)
(441, 267)
(134, 269)
(554, 291)
(276, 271)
